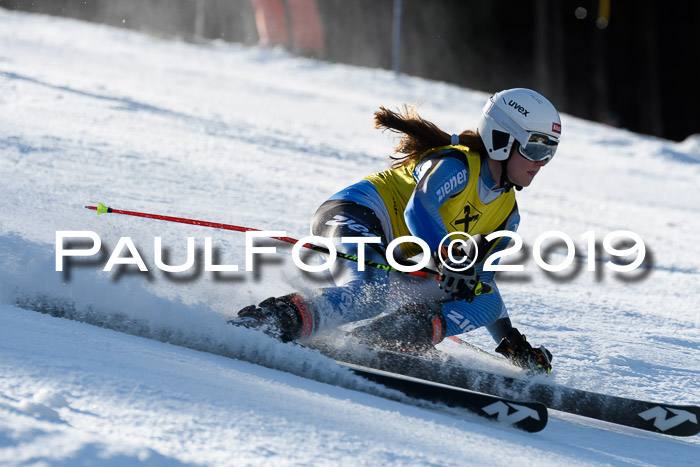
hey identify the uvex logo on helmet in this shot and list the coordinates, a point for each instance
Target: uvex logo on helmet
(556, 128)
(519, 108)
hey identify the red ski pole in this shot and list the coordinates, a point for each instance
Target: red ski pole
(425, 272)
(102, 209)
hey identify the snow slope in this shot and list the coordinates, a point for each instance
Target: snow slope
(259, 138)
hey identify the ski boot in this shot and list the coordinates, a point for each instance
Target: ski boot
(413, 328)
(519, 351)
(286, 318)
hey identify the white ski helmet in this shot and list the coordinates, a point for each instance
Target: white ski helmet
(520, 115)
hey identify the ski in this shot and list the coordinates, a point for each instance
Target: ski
(478, 350)
(438, 367)
(529, 416)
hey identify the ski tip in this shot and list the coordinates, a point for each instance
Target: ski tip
(101, 209)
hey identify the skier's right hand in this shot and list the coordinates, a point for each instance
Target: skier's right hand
(457, 281)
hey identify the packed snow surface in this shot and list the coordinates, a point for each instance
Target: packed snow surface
(259, 138)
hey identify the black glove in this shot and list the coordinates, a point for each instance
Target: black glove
(462, 285)
(518, 350)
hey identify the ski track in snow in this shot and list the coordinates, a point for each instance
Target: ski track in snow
(257, 137)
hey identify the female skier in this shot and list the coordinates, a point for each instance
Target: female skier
(438, 184)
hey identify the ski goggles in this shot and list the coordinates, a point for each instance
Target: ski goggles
(538, 148)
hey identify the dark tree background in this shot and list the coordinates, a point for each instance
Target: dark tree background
(639, 70)
(628, 63)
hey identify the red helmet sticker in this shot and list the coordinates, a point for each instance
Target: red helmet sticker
(556, 127)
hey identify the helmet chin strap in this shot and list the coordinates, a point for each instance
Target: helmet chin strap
(505, 182)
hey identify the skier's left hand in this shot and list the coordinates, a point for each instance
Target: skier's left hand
(541, 359)
(460, 283)
(515, 347)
